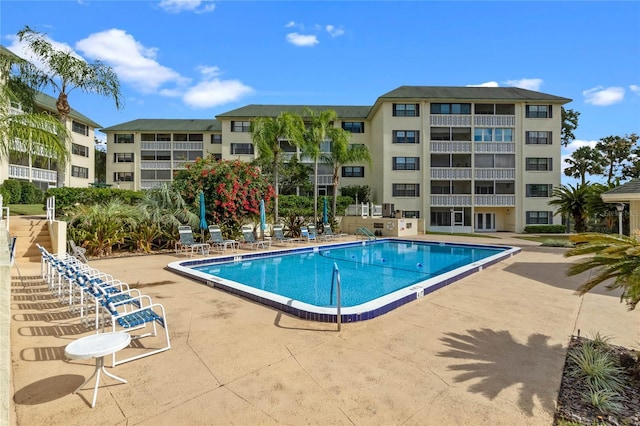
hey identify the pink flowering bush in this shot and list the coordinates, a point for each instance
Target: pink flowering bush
(232, 191)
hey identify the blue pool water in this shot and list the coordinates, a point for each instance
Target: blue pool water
(376, 276)
(367, 271)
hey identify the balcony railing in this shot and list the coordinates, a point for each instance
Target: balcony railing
(495, 120)
(490, 174)
(450, 173)
(451, 200)
(151, 184)
(492, 147)
(450, 120)
(322, 179)
(153, 165)
(165, 146)
(495, 200)
(32, 173)
(188, 146)
(450, 146)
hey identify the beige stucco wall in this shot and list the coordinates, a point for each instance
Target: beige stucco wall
(5, 318)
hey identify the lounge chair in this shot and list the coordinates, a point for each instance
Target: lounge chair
(307, 234)
(78, 252)
(329, 235)
(217, 241)
(188, 244)
(278, 235)
(250, 239)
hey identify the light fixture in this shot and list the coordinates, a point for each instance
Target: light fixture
(620, 208)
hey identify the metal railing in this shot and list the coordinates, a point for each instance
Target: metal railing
(366, 233)
(51, 208)
(335, 277)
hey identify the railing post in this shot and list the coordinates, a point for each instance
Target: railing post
(336, 275)
(51, 208)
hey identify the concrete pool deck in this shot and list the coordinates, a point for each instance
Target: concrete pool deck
(488, 349)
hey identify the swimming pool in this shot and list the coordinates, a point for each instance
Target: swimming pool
(376, 276)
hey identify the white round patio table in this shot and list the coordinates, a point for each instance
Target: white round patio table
(97, 346)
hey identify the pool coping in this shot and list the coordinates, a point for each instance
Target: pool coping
(362, 312)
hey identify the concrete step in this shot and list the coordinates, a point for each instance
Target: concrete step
(29, 232)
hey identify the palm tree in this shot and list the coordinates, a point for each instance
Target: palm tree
(268, 132)
(65, 71)
(35, 132)
(343, 153)
(584, 161)
(315, 135)
(615, 257)
(572, 202)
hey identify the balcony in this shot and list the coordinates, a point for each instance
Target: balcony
(494, 120)
(164, 146)
(495, 174)
(153, 165)
(187, 146)
(151, 184)
(440, 173)
(495, 147)
(450, 120)
(502, 200)
(451, 147)
(451, 200)
(324, 180)
(32, 173)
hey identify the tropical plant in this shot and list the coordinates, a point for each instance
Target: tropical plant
(604, 214)
(596, 368)
(99, 227)
(615, 257)
(65, 71)
(342, 153)
(233, 190)
(315, 136)
(584, 161)
(267, 133)
(293, 177)
(36, 132)
(616, 151)
(569, 124)
(358, 193)
(572, 201)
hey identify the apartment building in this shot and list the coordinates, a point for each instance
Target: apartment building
(43, 170)
(462, 159)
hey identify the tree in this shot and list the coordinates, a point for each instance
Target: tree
(572, 201)
(616, 151)
(605, 214)
(343, 153)
(37, 132)
(267, 133)
(314, 137)
(584, 161)
(293, 177)
(631, 170)
(569, 124)
(615, 257)
(100, 162)
(64, 72)
(233, 190)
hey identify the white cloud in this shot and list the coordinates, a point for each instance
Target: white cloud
(487, 84)
(209, 71)
(601, 96)
(21, 49)
(526, 83)
(210, 93)
(634, 88)
(333, 31)
(301, 39)
(177, 6)
(290, 24)
(134, 63)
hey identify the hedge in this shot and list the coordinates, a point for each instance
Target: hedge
(68, 197)
(545, 229)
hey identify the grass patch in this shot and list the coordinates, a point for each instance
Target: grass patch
(26, 209)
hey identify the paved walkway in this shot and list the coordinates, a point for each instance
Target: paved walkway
(488, 349)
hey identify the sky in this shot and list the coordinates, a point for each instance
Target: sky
(197, 59)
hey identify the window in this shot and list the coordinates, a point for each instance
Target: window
(79, 150)
(406, 110)
(80, 128)
(123, 157)
(451, 133)
(538, 111)
(353, 126)
(414, 214)
(440, 187)
(153, 137)
(481, 134)
(81, 172)
(494, 109)
(123, 138)
(123, 176)
(196, 137)
(155, 155)
(538, 190)
(538, 138)
(353, 171)
(240, 126)
(406, 190)
(217, 156)
(505, 187)
(540, 164)
(450, 108)
(155, 174)
(406, 163)
(216, 138)
(484, 187)
(178, 137)
(539, 218)
(500, 161)
(241, 148)
(406, 136)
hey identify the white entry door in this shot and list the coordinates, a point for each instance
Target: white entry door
(485, 222)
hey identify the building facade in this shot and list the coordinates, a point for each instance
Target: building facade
(42, 170)
(461, 159)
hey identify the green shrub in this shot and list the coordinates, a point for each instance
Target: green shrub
(604, 400)
(596, 368)
(6, 195)
(30, 194)
(14, 188)
(545, 229)
(67, 198)
(550, 242)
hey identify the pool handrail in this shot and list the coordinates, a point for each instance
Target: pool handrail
(335, 276)
(365, 232)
